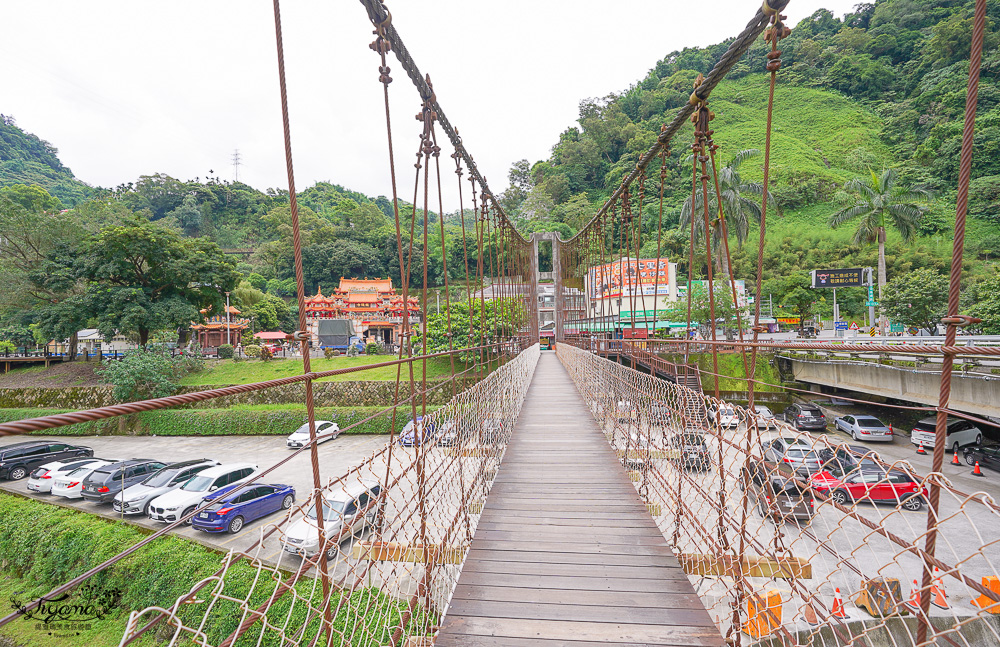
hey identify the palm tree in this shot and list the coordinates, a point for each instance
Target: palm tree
(739, 210)
(881, 201)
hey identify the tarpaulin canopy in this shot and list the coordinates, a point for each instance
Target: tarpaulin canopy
(277, 334)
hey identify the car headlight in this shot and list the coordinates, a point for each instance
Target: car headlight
(134, 501)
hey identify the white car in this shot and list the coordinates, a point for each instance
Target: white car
(179, 503)
(765, 417)
(724, 414)
(135, 499)
(70, 485)
(350, 506)
(325, 430)
(42, 478)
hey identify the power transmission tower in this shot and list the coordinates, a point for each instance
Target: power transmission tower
(236, 165)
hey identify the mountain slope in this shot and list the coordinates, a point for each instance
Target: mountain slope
(26, 159)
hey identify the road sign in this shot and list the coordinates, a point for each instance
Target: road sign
(842, 278)
(871, 293)
(871, 304)
(873, 331)
(840, 325)
(895, 327)
(855, 326)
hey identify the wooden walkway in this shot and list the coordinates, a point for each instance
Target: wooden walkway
(566, 553)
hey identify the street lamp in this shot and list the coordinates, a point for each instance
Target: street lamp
(229, 338)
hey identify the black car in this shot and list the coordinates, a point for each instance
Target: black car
(105, 482)
(692, 452)
(845, 458)
(985, 456)
(17, 460)
(779, 498)
(805, 416)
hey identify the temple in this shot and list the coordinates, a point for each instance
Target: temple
(220, 329)
(372, 304)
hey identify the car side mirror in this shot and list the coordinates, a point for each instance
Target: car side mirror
(213, 488)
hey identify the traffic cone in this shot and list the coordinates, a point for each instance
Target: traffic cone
(809, 615)
(938, 596)
(954, 459)
(985, 602)
(920, 448)
(976, 471)
(914, 601)
(891, 432)
(838, 606)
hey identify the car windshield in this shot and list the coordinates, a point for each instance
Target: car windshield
(330, 509)
(871, 423)
(764, 411)
(690, 439)
(81, 471)
(803, 453)
(161, 478)
(198, 484)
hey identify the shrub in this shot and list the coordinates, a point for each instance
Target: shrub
(252, 351)
(265, 354)
(328, 353)
(336, 353)
(7, 346)
(225, 351)
(372, 349)
(352, 350)
(191, 360)
(140, 374)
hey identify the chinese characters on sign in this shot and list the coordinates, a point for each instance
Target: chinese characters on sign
(843, 278)
(607, 280)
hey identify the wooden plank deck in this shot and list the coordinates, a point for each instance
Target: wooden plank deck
(565, 552)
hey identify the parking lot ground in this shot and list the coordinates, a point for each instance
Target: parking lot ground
(335, 458)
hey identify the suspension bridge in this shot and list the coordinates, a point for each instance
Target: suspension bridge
(571, 499)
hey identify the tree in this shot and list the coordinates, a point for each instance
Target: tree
(140, 374)
(795, 294)
(142, 277)
(701, 308)
(986, 305)
(880, 202)
(738, 209)
(918, 298)
(469, 328)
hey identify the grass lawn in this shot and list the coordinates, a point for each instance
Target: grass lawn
(228, 372)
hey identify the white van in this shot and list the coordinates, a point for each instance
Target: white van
(960, 433)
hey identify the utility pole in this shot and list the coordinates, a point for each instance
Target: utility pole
(229, 337)
(236, 165)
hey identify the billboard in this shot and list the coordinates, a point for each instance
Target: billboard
(844, 278)
(643, 274)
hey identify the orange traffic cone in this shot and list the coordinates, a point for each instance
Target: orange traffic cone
(809, 615)
(891, 432)
(976, 471)
(838, 606)
(938, 596)
(985, 602)
(954, 459)
(920, 448)
(914, 601)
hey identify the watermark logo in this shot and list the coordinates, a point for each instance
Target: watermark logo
(69, 612)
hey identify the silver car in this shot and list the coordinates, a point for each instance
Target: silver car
(791, 456)
(863, 428)
(135, 499)
(765, 417)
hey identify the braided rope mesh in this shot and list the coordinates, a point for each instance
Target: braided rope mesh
(397, 542)
(698, 498)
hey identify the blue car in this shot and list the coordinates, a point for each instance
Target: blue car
(233, 510)
(415, 433)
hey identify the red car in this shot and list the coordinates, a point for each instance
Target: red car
(898, 488)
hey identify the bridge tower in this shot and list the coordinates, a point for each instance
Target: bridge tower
(548, 285)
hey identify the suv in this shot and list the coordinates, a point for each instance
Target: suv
(17, 460)
(346, 511)
(960, 433)
(107, 481)
(181, 502)
(691, 450)
(805, 416)
(135, 499)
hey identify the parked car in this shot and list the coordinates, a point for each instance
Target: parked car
(633, 448)
(232, 510)
(42, 478)
(845, 458)
(659, 413)
(778, 497)
(805, 416)
(863, 428)
(135, 499)
(724, 414)
(693, 452)
(416, 432)
(108, 480)
(625, 411)
(19, 459)
(791, 456)
(181, 502)
(985, 456)
(70, 485)
(960, 433)
(346, 511)
(896, 487)
(325, 430)
(765, 417)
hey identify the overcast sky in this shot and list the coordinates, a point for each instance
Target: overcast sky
(127, 88)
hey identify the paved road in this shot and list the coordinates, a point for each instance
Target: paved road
(336, 457)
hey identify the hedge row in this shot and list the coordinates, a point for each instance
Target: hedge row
(218, 422)
(157, 574)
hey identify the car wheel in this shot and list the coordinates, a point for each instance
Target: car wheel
(913, 504)
(235, 525)
(954, 448)
(186, 513)
(840, 497)
(854, 434)
(970, 459)
(331, 552)
(18, 473)
(979, 440)
(286, 503)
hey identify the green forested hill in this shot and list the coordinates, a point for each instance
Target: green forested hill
(26, 159)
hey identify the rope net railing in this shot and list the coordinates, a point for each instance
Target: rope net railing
(398, 526)
(791, 537)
